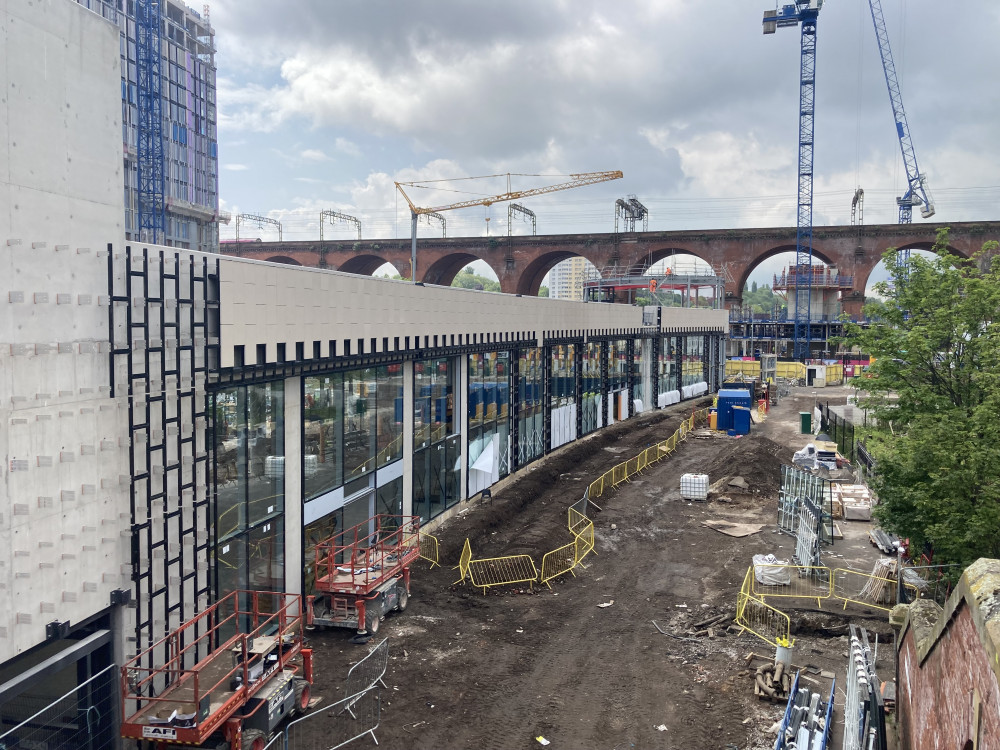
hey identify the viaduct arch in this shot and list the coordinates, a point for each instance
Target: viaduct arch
(520, 263)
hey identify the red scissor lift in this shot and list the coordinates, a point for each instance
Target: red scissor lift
(364, 573)
(231, 675)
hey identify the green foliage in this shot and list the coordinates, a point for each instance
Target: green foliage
(761, 299)
(934, 390)
(469, 279)
(543, 291)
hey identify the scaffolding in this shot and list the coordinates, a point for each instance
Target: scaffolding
(680, 286)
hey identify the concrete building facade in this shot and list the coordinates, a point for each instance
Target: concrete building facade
(566, 278)
(188, 121)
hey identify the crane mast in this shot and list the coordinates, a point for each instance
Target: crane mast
(802, 13)
(916, 192)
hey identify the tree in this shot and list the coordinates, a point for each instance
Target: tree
(543, 291)
(934, 391)
(469, 279)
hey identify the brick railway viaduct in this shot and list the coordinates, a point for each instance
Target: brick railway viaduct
(520, 263)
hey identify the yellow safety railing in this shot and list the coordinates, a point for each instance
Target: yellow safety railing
(463, 561)
(816, 583)
(502, 571)
(758, 617)
(564, 559)
(498, 571)
(625, 471)
(429, 548)
(805, 582)
(867, 590)
(584, 543)
(559, 561)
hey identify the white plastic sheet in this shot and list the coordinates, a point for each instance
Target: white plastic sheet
(768, 571)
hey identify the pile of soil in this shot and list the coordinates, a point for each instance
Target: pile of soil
(758, 461)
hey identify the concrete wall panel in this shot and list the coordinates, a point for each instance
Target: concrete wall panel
(62, 502)
(271, 304)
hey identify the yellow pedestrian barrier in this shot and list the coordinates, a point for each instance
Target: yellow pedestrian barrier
(502, 571)
(867, 590)
(463, 561)
(498, 571)
(758, 617)
(557, 562)
(429, 548)
(816, 583)
(805, 582)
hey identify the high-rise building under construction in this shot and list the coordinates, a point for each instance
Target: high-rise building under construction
(180, 158)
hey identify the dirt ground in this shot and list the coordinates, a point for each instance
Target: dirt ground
(497, 671)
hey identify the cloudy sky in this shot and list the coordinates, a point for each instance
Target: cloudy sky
(323, 105)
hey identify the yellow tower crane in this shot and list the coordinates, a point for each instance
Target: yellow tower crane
(578, 180)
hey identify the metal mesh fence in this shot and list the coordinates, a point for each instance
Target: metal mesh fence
(85, 718)
(337, 725)
(839, 429)
(796, 485)
(807, 535)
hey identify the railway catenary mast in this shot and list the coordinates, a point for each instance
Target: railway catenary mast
(804, 13)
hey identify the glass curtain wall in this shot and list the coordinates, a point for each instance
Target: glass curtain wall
(489, 419)
(691, 364)
(250, 488)
(638, 391)
(352, 425)
(531, 415)
(618, 369)
(665, 366)
(323, 422)
(562, 393)
(389, 416)
(592, 391)
(436, 447)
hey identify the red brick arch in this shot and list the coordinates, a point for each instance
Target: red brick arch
(521, 262)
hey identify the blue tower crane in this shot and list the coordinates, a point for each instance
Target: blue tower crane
(916, 192)
(804, 13)
(151, 208)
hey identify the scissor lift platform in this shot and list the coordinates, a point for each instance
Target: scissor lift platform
(198, 680)
(364, 572)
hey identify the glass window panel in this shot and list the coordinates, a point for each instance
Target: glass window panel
(322, 417)
(315, 533)
(421, 489)
(230, 457)
(452, 469)
(266, 450)
(230, 566)
(390, 414)
(360, 430)
(266, 556)
(389, 498)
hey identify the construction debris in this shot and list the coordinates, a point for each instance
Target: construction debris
(772, 682)
(886, 542)
(880, 588)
